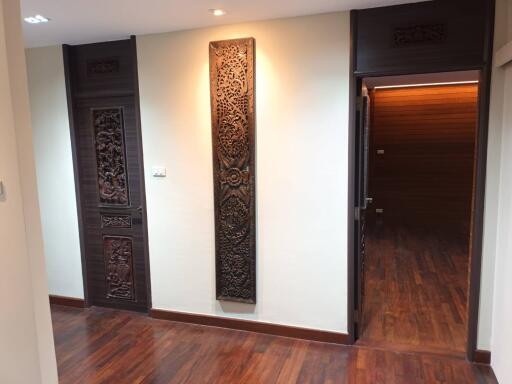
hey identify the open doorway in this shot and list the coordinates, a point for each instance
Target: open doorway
(418, 158)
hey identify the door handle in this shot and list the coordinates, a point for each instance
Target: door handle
(366, 201)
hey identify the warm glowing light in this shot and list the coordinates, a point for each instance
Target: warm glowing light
(217, 12)
(426, 84)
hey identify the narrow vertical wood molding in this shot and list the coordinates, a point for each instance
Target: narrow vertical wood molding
(233, 140)
(67, 301)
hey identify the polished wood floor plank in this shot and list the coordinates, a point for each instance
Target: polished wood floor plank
(415, 289)
(99, 345)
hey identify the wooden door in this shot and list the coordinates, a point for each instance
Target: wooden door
(105, 125)
(361, 201)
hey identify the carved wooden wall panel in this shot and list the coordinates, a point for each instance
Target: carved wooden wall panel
(119, 267)
(419, 34)
(116, 221)
(233, 125)
(102, 67)
(110, 156)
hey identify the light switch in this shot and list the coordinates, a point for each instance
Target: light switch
(159, 172)
(380, 151)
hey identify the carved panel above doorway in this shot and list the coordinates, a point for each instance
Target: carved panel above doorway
(233, 125)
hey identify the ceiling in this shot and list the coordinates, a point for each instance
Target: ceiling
(85, 21)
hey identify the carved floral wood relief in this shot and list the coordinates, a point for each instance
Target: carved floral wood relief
(419, 34)
(119, 267)
(102, 67)
(233, 125)
(116, 221)
(110, 156)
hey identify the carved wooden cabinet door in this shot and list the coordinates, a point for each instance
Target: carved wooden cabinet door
(109, 169)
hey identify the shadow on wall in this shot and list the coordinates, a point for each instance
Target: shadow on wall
(236, 308)
(3, 194)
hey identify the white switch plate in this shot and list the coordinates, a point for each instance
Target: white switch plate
(159, 172)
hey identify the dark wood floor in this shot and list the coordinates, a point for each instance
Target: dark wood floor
(416, 289)
(109, 346)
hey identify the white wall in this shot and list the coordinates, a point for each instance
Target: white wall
(302, 73)
(501, 342)
(27, 353)
(55, 171)
(492, 185)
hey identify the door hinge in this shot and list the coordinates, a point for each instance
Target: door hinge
(357, 214)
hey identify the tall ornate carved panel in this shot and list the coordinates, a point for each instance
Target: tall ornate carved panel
(233, 126)
(110, 156)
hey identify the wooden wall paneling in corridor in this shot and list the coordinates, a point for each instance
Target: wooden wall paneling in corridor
(428, 137)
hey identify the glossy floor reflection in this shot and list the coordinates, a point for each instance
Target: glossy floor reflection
(416, 289)
(109, 346)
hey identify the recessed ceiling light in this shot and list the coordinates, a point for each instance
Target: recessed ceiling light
(217, 12)
(36, 19)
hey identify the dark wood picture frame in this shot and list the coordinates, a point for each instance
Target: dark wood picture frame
(471, 56)
(232, 89)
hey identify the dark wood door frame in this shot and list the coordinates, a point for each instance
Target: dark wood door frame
(78, 189)
(477, 223)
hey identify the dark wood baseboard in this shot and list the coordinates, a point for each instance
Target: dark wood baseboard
(482, 357)
(253, 326)
(67, 301)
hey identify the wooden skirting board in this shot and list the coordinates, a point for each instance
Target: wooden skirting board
(252, 326)
(67, 301)
(482, 357)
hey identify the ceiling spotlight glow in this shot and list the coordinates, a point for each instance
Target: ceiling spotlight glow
(217, 12)
(36, 19)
